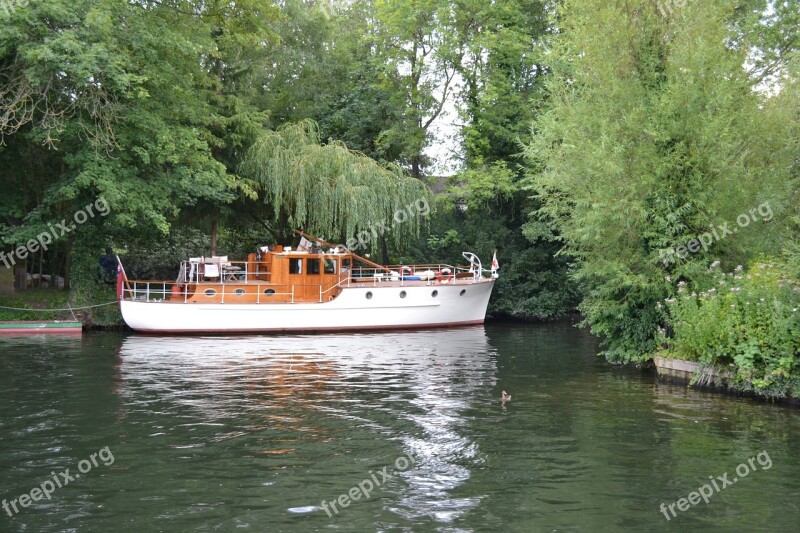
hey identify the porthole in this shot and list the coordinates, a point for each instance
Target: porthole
(210, 292)
(435, 294)
(402, 294)
(369, 295)
(463, 292)
(239, 292)
(269, 292)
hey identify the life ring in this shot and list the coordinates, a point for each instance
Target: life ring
(444, 275)
(406, 271)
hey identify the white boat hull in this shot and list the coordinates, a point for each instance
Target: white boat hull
(435, 305)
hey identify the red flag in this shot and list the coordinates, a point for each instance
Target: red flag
(121, 278)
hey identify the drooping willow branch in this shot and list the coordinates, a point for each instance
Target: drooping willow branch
(329, 189)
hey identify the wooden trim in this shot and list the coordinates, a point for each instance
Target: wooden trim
(325, 243)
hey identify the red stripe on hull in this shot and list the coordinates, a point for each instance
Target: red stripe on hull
(309, 330)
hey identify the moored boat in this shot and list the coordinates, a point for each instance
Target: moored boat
(316, 287)
(40, 327)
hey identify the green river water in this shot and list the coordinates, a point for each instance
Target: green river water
(378, 432)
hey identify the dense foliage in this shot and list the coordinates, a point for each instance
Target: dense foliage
(746, 322)
(329, 189)
(655, 140)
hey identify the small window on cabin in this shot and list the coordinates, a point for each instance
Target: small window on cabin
(346, 265)
(330, 266)
(295, 266)
(312, 267)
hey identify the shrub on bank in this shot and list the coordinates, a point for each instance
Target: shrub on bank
(746, 322)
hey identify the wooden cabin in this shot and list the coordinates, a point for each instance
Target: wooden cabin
(273, 276)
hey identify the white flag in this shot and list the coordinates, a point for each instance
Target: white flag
(304, 245)
(495, 264)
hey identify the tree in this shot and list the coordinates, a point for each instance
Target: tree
(328, 189)
(117, 95)
(501, 93)
(653, 135)
(419, 46)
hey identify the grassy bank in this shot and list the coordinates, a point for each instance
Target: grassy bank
(745, 323)
(55, 304)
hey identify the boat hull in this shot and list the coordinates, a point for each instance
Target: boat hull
(423, 306)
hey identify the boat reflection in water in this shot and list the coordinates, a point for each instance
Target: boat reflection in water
(355, 402)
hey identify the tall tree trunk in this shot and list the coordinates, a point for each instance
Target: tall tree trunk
(21, 276)
(54, 267)
(68, 264)
(214, 230)
(415, 167)
(384, 251)
(41, 269)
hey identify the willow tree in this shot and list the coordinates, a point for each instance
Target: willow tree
(332, 191)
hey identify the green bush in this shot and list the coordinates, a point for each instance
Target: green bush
(745, 322)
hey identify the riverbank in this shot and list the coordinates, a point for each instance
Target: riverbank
(95, 310)
(708, 378)
(743, 324)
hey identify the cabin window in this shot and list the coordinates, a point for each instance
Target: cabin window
(330, 266)
(369, 295)
(463, 292)
(345, 264)
(312, 267)
(269, 292)
(210, 292)
(435, 294)
(402, 294)
(295, 266)
(239, 292)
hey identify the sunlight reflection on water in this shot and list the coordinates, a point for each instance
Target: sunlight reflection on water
(427, 379)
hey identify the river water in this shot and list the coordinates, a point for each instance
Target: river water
(378, 432)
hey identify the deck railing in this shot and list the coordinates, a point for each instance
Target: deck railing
(431, 273)
(217, 270)
(232, 282)
(160, 291)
